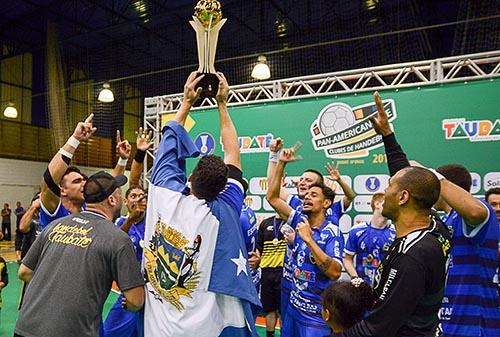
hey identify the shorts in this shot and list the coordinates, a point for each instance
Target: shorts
(123, 323)
(293, 328)
(271, 289)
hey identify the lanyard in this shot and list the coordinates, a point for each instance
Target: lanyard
(276, 228)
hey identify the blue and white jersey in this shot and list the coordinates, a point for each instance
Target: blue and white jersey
(195, 259)
(309, 281)
(370, 245)
(471, 305)
(46, 217)
(248, 222)
(136, 234)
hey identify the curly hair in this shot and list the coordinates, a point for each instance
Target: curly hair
(209, 177)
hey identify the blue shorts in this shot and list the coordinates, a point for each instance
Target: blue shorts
(123, 323)
(285, 299)
(292, 328)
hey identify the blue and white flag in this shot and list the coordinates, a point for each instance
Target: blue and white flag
(195, 261)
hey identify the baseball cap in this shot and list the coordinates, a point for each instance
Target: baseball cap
(101, 185)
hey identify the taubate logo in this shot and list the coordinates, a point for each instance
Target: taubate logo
(473, 130)
(345, 132)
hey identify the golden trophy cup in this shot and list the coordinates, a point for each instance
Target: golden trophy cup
(207, 22)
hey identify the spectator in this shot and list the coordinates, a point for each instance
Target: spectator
(6, 212)
(4, 278)
(29, 226)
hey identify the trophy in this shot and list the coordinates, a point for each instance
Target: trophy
(207, 22)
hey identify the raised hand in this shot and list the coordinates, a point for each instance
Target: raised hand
(276, 145)
(223, 91)
(143, 141)
(333, 170)
(137, 209)
(122, 146)
(288, 155)
(191, 94)
(84, 130)
(380, 121)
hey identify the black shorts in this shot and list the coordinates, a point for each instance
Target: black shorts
(270, 291)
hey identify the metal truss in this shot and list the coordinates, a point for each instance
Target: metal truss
(395, 76)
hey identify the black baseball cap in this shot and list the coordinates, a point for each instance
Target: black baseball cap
(101, 185)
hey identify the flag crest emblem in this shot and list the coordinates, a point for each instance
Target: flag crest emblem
(171, 264)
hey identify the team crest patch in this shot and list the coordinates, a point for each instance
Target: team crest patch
(171, 264)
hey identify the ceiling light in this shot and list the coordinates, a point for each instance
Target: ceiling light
(106, 95)
(10, 111)
(261, 70)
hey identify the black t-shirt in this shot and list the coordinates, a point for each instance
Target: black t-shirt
(409, 285)
(30, 237)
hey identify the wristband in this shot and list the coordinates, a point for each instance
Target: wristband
(139, 156)
(65, 153)
(437, 174)
(122, 161)
(72, 141)
(273, 156)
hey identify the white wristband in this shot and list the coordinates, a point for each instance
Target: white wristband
(65, 153)
(72, 141)
(122, 161)
(273, 156)
(437, 174)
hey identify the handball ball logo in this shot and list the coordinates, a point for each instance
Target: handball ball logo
(336, 118)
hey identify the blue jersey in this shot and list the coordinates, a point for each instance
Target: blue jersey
(136, 234)
(248, 222)
(471, 305)
(370, 245)
(46, 217)
(309, 280)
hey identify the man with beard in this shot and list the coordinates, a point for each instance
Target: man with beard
(409, 283)
(316, 253)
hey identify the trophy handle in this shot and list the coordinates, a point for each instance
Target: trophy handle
(207, 44)
(213, 36)
(200, 40)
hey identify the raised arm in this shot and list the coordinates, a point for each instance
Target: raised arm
(124, 149)
(273, 192)
(143, 143)
(191, 95)
(49, 186)
(25, 222)
(396, 158)
(349, 194)
(228, 133)
(169, 167)
(471, 209)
